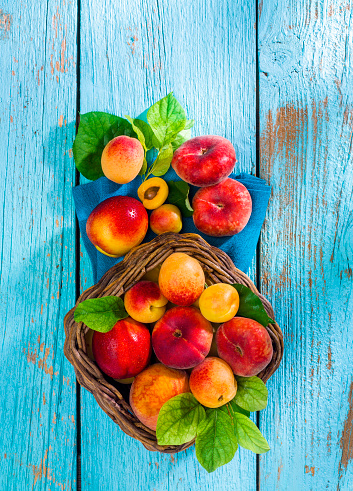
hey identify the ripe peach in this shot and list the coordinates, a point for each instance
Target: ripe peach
(181, 279)
(124, 351)
(166, 218)
(153, 193)
(117, 225)
(219, 302)
(204, 160)
(154, 387)
(223, 209)
(213, 383)
(122, 159)
(144, 302)
(245, 345)
(182, 337)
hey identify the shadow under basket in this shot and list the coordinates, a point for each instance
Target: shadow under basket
(111, 396)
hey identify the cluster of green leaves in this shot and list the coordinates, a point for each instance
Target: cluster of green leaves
(166, 129)
(219, 431)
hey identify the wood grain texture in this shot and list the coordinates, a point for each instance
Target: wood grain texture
(37, 111)
(306, 103)
(132, 55)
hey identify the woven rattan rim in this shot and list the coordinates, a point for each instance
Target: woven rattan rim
(217, 266)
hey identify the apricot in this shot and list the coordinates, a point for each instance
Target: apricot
(153, 193)
(181, 279)
(122, 159)
(144, 302)
(154, 387)
(213, 383)
(219, 302)
(166, 218)
(182, 337)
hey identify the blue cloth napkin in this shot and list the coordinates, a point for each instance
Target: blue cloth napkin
(240, 248)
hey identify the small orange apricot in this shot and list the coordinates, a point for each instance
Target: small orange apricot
(219, 302)
(181, 279)
(213, 383)
(122, 159)
(153, 193)
(166, 218)
(152, 388)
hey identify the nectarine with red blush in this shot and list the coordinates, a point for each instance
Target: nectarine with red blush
(124, 351)
(117, 225)
(245, 345)
(182, 337)
(223, 209)
(204, 160)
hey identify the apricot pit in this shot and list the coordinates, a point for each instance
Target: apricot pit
(153, 193)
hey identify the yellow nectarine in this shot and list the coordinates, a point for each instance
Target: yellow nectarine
(219, 302)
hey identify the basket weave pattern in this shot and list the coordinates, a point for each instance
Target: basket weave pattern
(217, 267)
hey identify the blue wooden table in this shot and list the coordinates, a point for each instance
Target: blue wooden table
(276, 78)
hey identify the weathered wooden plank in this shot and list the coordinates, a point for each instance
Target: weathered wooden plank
(306, 141)
(37, 113)
(132, 55)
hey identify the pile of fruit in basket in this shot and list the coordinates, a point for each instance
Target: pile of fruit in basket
(190, 349)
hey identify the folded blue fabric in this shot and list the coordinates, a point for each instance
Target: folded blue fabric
(240, 248)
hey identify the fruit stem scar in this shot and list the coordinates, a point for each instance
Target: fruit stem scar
(239, 350)
(177, 333)
(220, 398)
(204, 150)
(151, 193)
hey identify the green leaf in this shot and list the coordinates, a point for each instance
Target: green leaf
(96, 129)
(143, 131)
(100, 314)
(231, 407)
(251, 306)
(178, 420)
(166, 118)
(189, 124)
(251, 393)
(143, 168)
(179, 196)
(216, 443)
(248, 434)
(184, 135)
(162, 163)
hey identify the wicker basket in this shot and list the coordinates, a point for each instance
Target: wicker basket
(112, 396)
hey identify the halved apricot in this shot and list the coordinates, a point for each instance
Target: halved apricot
(153, 193)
